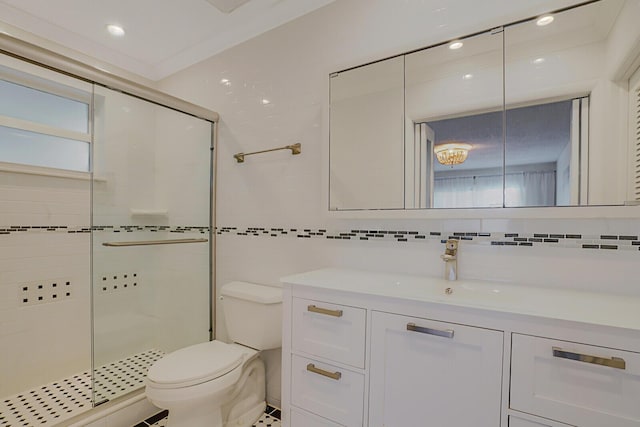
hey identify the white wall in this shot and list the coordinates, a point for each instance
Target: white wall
(43, 338)
(43, 341)
(290, 66)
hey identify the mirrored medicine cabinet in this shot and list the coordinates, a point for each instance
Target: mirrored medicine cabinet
(542, 112)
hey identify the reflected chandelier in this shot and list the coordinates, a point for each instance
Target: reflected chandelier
(452, 153)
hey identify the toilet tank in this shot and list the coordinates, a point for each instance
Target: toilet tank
(253, 314)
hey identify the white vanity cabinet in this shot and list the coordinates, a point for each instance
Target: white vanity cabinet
(373, 350)
(422, 369)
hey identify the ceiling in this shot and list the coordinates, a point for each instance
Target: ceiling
(162, 36)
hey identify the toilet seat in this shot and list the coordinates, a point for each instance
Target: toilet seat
(196, 364)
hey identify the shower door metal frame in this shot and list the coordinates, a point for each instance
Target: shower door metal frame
(31, 53)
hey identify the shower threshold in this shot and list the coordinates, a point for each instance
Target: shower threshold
(52, 403)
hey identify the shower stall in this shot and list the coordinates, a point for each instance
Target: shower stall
(106, 238)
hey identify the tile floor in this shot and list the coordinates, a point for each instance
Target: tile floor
(271, 418)
(52, 403)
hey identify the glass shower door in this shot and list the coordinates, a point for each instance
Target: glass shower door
(151, 237)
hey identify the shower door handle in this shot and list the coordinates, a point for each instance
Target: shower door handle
(153, 242)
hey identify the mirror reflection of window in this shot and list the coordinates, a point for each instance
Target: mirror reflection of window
(543, 145)
(545, 142)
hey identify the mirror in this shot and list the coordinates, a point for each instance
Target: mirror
(572, 64)
(454, 96)
(367, 162)
(543, 112)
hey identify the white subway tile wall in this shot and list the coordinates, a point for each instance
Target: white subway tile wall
(290, 66)
(44, 332)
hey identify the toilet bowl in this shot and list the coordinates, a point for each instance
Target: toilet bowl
(217, 384)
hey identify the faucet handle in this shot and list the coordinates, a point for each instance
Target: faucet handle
(450, 257)
(451, 246)
(451, 250)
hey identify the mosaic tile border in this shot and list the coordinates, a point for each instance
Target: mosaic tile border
(14, 229)
(577, 241)
(625, 242)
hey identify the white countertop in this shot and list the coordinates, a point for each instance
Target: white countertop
(586, 307)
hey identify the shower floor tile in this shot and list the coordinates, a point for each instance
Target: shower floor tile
(123, 376)
(52, 403)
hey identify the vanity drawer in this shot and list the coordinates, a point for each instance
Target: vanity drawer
(578, 384)
(331, 331)
(323, 389)
(300, 418)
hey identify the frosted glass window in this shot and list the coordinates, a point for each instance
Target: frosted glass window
(25, 103)
(21, 146)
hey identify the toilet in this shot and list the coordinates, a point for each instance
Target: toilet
(216, 384)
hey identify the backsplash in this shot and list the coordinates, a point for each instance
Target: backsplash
(622, 242)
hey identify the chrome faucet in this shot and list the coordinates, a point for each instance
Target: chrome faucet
(450, 258)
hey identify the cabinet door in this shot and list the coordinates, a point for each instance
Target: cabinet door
(428, 373)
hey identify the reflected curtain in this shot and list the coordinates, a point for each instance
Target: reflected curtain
(521, 189)
(468, 192)
(530, 189)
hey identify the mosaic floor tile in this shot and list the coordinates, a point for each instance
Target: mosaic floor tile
(52, 403)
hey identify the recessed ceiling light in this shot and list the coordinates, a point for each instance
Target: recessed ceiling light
(467, 76)
(265, 101)
(455, 45)
(538, 61)
(225, 82)
(115, 30)
(544, 20)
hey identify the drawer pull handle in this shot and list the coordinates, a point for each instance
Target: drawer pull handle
(447, 333)
(320, 310)
(614, 362)
(333, 375)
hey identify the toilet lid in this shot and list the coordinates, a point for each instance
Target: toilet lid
(196, 364)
